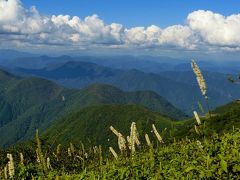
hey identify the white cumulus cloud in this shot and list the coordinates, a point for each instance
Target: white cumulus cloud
(216, 29)
(203, 29)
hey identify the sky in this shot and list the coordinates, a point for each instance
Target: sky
(144, 27)
(133, 13)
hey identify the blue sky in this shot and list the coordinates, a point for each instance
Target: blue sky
(135, 12)
(182, 28)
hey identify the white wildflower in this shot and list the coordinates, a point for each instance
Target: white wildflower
(200, 79)
(11, 169)
(157, 134)
(113, 152)
(197, 117)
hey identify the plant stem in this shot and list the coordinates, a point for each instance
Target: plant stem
(207, 103)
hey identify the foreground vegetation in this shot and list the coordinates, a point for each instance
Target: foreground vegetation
(215, 157)
(218, 158)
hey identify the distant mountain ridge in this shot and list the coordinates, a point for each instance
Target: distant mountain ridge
(151, 64)
(179, 87)
(7, 54)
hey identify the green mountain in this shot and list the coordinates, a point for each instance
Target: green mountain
(223, 119)
(226, 117)
(91, 124)
(107, 94)
(30, 103)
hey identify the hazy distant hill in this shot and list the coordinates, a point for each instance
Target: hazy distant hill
(148, 64)
(220, 90)
(37, 62)
(8, 54)
(151, 64)
(30, 103)
(158, 64)
(179, 87)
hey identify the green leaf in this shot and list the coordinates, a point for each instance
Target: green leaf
(224, 165)
(236, 168)
(190, 169)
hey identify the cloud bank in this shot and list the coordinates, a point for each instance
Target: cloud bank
(20, 27)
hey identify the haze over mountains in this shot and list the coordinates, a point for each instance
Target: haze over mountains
(169, 77)
(154, 64)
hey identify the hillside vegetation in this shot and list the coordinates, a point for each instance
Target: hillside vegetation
(188, 156)
(217, 158)
(91, 124)
(28, 104)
